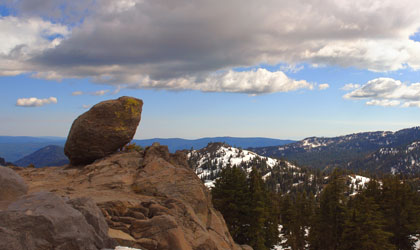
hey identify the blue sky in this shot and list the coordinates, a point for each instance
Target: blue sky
(334, 70)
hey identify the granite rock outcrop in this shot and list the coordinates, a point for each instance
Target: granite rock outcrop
(45, 220)
(12, 186)
(102, 130)
(150, 199)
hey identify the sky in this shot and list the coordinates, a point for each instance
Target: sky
(273, 68)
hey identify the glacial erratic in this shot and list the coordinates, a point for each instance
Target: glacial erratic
(102, 130)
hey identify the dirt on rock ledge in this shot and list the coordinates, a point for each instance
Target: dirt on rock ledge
(150, 199)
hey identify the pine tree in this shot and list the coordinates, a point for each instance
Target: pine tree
(231, 198)
(287, 214)
(328, 224)
(258, 211)
(363, 228)
(272, 222)
(401, 212)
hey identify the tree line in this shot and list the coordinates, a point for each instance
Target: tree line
(383, 215)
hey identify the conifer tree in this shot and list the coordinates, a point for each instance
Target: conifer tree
(258, 210)
(328, 226)
(363, 228)
(287, 214)
(231, 197)
(401, 212)
(272, 222)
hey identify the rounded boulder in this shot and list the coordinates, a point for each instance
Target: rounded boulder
(102, 130)
(12, 185)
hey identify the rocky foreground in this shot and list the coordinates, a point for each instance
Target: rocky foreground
(150, 200)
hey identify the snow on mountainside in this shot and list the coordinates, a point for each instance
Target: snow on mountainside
(393, 160)
(280, 175)
(322, 152)
(209, 161)
(357, 182)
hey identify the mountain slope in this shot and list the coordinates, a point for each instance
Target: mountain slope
(394, 160)
(321, 152)
(51, 155)
(208, 162)
(13, 148)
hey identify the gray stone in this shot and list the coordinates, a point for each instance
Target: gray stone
(46, 221)
(11, 185)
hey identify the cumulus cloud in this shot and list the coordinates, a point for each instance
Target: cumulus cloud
(57, 10)
(259, 81)
(387, 92)
(384, 103)
(100, 92)
(34, 102)
(122, 41)
(86, 106)
(411, 104)
(350, 86)
(32, 37)
(95, 93)
(323, 86)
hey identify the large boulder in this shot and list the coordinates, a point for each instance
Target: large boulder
(102, 130)
(46, 221)
(11, 185)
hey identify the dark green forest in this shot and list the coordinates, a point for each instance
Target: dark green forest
(321, 213)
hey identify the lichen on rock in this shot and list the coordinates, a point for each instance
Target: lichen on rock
(102, 130)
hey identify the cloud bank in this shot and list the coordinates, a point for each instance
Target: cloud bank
(181, 44)
(387, 92)
(34, 102)
(260, 81)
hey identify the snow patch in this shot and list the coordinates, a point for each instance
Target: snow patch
(358, 182)
(209, 183)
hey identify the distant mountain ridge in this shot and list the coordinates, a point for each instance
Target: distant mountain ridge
(321, 152)
(13, 148)
(51, 155)
(175, 144)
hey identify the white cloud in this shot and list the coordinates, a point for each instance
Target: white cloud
(350, 86)
(387, 92)
(384, 103)
(34, 102)
(169, 43)
(323, 86)
(24, 38)
(411, 104)
(96, 93)
(259, 81)
(86, 106)
(100, 92)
